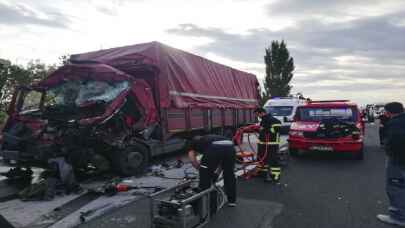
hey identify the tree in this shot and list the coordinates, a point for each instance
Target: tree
(279, 71)
(12, 75)
(64, 59)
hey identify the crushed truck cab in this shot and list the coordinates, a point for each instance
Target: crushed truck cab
(77, 115)
(327, 126)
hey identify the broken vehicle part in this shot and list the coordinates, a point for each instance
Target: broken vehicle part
(58, 179)
(85, 214)
(19, 176)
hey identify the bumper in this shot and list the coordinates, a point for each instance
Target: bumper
(334, 146)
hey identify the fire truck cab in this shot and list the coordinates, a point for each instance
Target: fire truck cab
(327, 126)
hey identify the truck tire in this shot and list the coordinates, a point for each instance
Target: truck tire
(131, 161)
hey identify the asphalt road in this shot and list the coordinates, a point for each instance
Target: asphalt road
(327, 191)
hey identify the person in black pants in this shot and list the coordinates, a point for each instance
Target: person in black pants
(395, 165)
(218, 152)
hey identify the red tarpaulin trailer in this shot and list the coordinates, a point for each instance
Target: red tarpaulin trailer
(183, 79)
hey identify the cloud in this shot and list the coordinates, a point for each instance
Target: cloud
(338, 56)
(23, 14)
(332, 9)
(370, 41)
(353, 87)
(107, 10)
(336, 44)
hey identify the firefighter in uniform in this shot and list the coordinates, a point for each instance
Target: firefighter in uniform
(268, 145)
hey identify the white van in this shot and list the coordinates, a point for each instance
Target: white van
(283, 108)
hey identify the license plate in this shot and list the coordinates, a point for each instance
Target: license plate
(322, 148)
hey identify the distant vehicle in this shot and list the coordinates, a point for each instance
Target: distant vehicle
(327, 126)
(126, 105)
(369, 114)
(379, 110)
(283, 108)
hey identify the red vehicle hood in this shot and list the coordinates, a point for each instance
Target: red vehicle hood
(305, 126)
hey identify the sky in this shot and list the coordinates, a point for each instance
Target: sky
(343, 49)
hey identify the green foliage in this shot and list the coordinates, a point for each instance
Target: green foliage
(64, 59)
(12, 75)
(3, 116)
(279, 71)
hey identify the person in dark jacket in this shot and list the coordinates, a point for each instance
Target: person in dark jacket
(218, 152)
(383, 121)
(394, 142)
(269, 143)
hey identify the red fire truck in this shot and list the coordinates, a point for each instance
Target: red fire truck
(327, 126)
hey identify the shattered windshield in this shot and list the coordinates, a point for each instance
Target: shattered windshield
(77, 93)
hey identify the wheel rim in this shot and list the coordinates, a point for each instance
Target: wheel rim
(134, 160)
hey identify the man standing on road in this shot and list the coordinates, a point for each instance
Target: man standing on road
(269, 142)
(395, 166)
(383, 121)
(218, 152)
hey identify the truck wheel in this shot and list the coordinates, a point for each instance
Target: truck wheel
(131, 161)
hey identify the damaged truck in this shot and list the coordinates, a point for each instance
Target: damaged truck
(122, 106)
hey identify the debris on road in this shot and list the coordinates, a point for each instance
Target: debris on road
(59, 179)
(64, 211)
(18, 176)
(84, 215)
